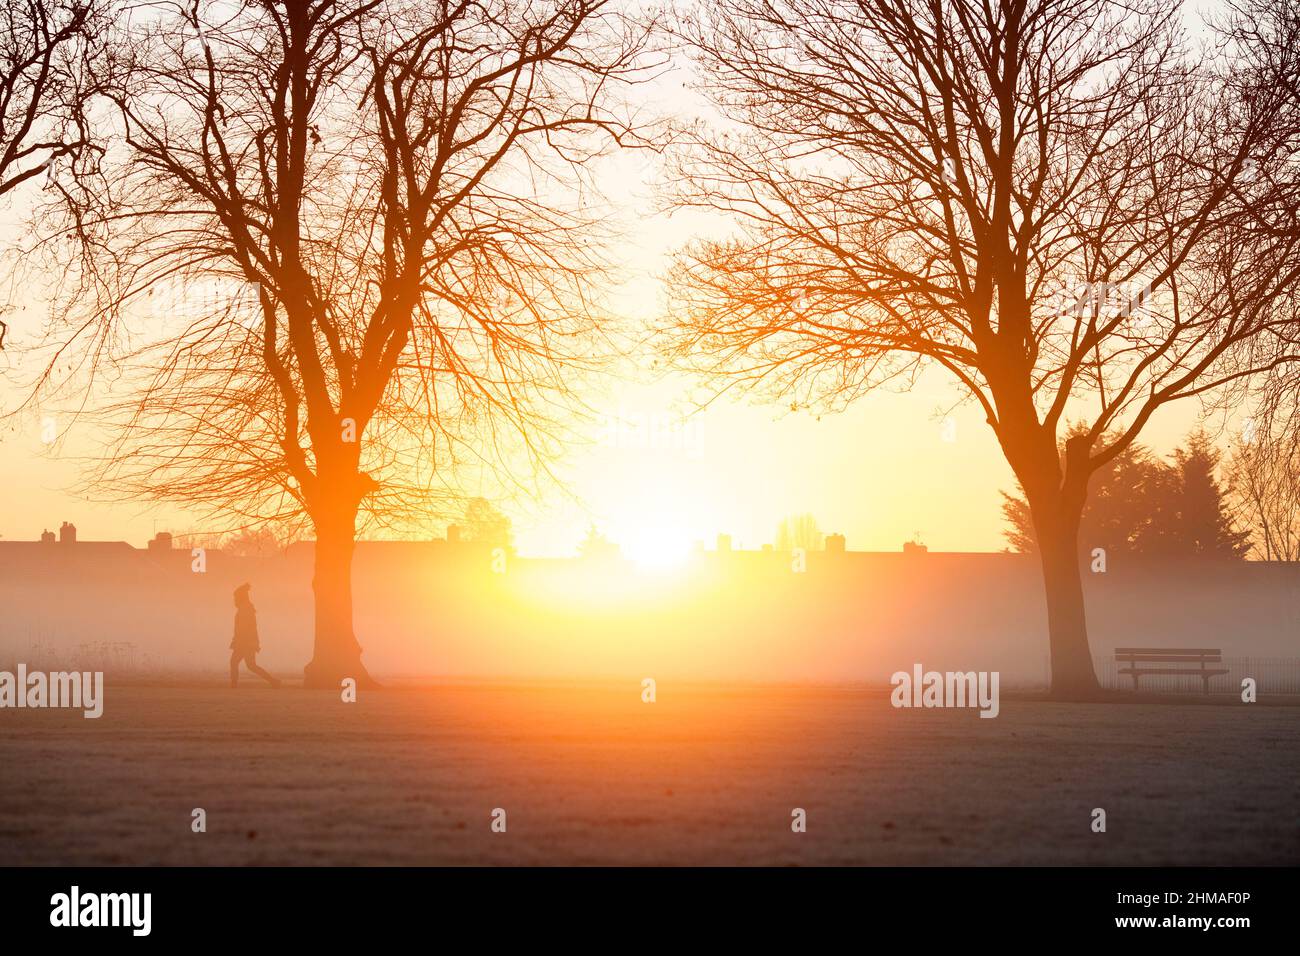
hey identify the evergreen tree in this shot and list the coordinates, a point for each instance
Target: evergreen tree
(1119, 514)
(1203, 524)
(1141, 505)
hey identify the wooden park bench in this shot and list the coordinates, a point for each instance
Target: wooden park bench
(1134, 657)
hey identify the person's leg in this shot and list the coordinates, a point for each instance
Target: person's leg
(234, 668)
(251, 661)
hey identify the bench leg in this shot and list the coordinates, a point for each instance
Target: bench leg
(1135, 683)
(1205, 682)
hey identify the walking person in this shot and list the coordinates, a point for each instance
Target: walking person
(245, 645)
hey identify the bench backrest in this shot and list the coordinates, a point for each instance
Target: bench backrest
(1172, 655)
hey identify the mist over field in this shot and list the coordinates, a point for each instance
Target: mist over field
(436, 609)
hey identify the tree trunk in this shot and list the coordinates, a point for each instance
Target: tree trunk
(337, 655)
(1073, 677)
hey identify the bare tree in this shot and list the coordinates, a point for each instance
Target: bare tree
(391, 199)
(1041, 197)
(46, 48)
(1263, 37)
(1264, 487)
(799, 531)
(258, 542)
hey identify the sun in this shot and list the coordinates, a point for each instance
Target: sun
(655, 547)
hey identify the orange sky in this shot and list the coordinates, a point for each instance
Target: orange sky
(879, 473)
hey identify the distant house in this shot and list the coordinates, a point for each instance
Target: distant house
(63, 548)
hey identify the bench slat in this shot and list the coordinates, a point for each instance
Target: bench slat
(1170, 670)
(1168, 658)
(1168, 650)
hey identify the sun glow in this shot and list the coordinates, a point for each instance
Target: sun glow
(656, 547)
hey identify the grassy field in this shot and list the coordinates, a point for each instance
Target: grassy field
(588, 774)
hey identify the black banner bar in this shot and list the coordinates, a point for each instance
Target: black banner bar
(329, 906)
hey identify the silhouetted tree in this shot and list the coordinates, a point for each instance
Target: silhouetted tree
(1138, 504)
(1263, 477)
(597, 547)
(252, 543)
(396, 197)
(1265, 38)
(47, 48)
(255, 542)
(485, 524)
(799, 531)
(1118, 512)
(1204, 525)
(46, 51)
(1041, 197)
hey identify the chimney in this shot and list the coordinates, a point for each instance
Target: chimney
(835, 543)
(47, 537)
(724, 542)
(453, 534)
(68, 533)
(162, 541)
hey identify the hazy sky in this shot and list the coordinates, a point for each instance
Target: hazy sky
(883, 471)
